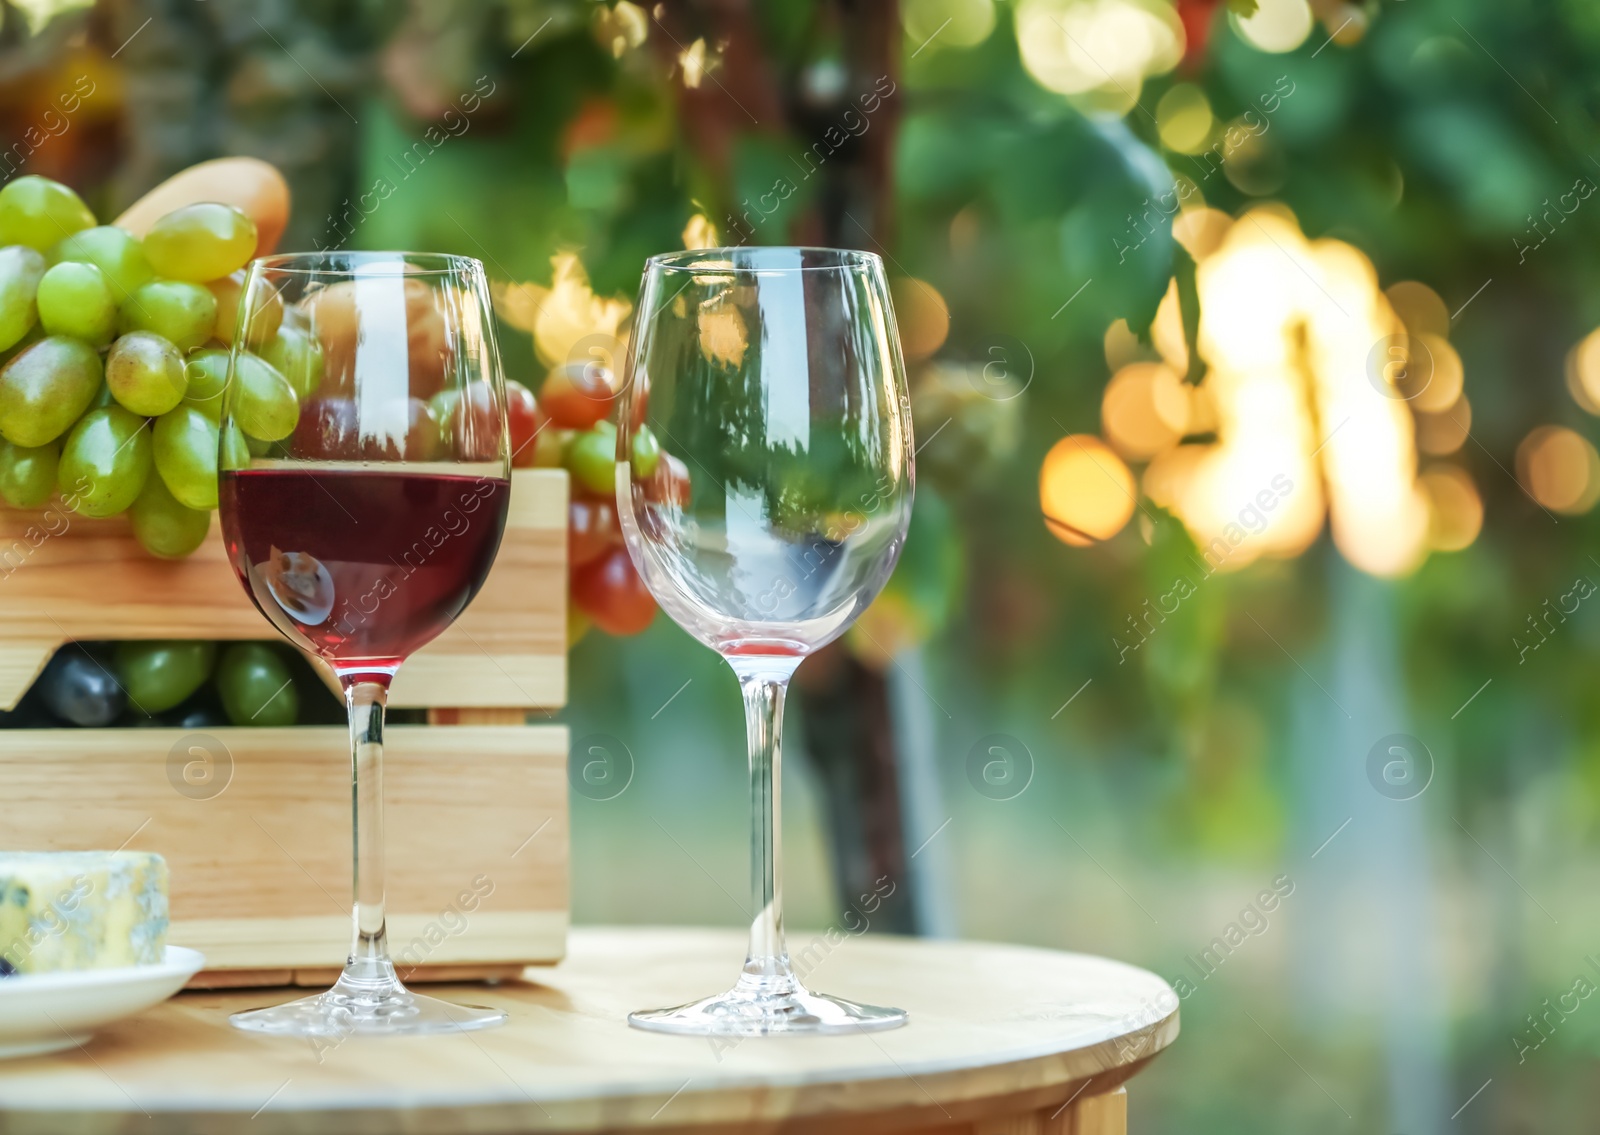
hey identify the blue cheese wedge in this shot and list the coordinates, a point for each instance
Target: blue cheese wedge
(77, 910)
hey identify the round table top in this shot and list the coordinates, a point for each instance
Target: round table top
(992, 1026)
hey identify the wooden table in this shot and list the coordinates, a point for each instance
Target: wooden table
(1003, 1040)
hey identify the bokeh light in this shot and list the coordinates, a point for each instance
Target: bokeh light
(1277, 25)
(1166, 332)
(1560, 469)
(1085, 491)
(922, 315)
(1301, 432)
(1583, 372)
(1145, 409)
(947, 23)
(1201, 231)
(1184, 119)
(1456, 509)
(1079, 47)
(1433, 377)
(1441, 434)
(1419, 308)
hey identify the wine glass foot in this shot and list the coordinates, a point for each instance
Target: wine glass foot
(349, 1009)
(741, 1013)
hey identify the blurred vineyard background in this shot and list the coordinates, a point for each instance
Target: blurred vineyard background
(1254, 543)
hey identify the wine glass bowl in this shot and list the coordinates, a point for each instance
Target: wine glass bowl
(363, 488)
(765, 472)
(775, 377)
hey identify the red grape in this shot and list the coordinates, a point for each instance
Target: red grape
(577, 395)
(591, 530)
(522, 416)
(611, 593)
(669, 482)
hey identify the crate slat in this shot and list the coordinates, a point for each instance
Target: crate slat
(64, 577)
(475, 816)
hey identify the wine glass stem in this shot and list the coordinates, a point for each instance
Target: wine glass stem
(764, 682)
(369, 945)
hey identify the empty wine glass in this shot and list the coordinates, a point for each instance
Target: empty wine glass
(764, 484)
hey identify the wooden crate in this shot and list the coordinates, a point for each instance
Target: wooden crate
(476, 801)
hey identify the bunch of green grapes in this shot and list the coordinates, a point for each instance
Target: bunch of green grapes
(115, 360)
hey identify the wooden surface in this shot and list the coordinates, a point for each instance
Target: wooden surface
(476, 818)
(65, 577)
(1002, 1039)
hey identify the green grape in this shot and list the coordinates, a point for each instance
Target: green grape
(114, 251)
(183, 314)
(145, 373)
(592, 459)
(645, 454)
(185, 449)
(105, 462)
(76, 300)
(200, 242)
(161, 675)
(38, 212)
(103, 398)
(297, 355)
(163, 526)
(208, 378)
(45, 389)
(28, 476)
(256, 686)
(265, 310)
(20, 271)
(264, 404)
(234, 451)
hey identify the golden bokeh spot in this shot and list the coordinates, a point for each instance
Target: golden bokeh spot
(1099, 48)
(693, 61)
(1419, 308)
(1145, 410)
(1201, 231)
(723, 336)
(1122, 346)
(1583, 372)
(1085, 491)
(1440, 387)
(570, 312)
(620, 27)
(1166, 332)
(700, 233)
(518, 304)
(1277, 25)
(1441, 434)
(922, 315)
(1559, 469)
(1347, 24)
(1184, 119)
(1455, 510)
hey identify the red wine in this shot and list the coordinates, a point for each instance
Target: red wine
(361, 566)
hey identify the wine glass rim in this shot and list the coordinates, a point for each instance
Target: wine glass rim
(749, 259)
(366, 263)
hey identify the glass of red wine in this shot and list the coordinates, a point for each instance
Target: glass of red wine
(365, 475)
(764, 482)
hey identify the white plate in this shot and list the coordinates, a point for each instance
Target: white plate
(47, 1012)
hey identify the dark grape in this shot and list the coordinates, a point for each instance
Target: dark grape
(80, 691)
